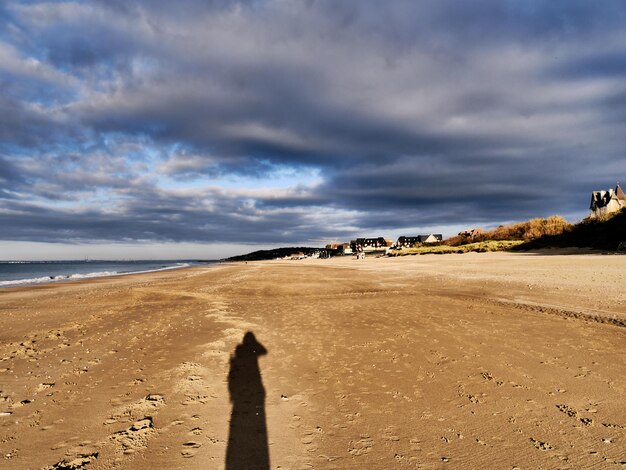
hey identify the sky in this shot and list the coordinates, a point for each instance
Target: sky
(202, 129)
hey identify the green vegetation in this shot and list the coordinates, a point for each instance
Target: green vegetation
(479, 247)
(502, 238)
(608, 233)
(261, 255)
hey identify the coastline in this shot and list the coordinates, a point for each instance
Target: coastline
(462, 360)
(78, 276)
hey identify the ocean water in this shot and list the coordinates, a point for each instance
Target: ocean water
(20, 273)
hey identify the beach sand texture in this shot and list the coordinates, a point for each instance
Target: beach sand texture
(458, 361)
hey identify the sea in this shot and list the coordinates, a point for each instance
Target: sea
(24, 273)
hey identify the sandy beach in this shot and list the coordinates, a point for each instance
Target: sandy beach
(487, 360)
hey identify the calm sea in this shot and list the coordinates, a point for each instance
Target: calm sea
(19, 273)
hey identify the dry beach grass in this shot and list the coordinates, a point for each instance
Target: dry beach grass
(490, 360)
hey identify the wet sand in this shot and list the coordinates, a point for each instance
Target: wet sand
(456, 361)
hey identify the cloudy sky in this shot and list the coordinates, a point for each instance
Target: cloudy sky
(206, 128)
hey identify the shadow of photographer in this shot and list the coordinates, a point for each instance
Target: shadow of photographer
(247, 437)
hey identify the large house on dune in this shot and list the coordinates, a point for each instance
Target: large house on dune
(605, 202)
(370, 244)
(409, 242)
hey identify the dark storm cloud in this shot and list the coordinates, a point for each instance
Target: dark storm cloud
(603, 64)
(9, 175)
(123, 120)
(165, 217)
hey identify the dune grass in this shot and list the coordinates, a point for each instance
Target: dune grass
(528, 230)
(606, 233)
(478, 247)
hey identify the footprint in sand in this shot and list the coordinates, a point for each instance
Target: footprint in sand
(389, 434)
(362, 446)
(155, 399)
(190, 449)
(136, 436)
(540, 445)
(22, 403)
(44, 386)
(195, 399)
(414, 444)
(567, 410)
(79, 461)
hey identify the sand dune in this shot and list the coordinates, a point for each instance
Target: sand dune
(457, 361)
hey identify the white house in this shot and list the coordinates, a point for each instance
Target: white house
(605, 202)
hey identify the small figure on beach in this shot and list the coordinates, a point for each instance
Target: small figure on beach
(247, 438)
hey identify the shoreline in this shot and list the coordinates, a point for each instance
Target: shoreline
(404, 362)
(77, 277)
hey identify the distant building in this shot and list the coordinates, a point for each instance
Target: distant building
(370, 244)
(340, 248)
(409, 242)
(606, 202)
(432, 238)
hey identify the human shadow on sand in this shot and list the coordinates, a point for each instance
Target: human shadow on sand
(247, 438)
